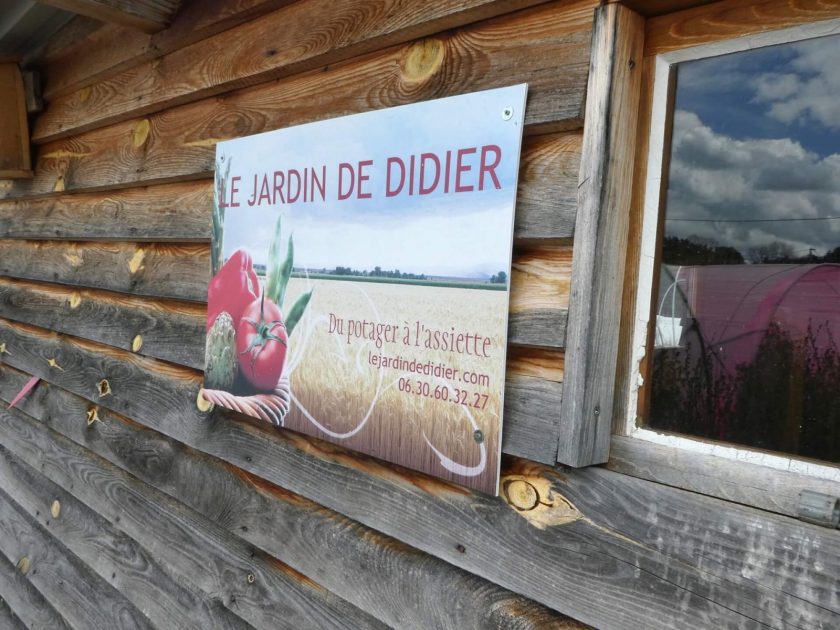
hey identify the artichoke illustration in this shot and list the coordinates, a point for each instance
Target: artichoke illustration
(220, 360)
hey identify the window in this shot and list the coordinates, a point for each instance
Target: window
(737, 337)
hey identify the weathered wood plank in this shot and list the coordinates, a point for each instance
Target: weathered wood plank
(715, 583)
(15, 160)
(731, 18)
(172, 212)
(167, 600)
(532, 416)
(81, 53)
(149, 16)
(84, 600)
(539, 280)
(297, 38)
(179, 143)
(546, 200)
(601, 236)
(8, 619)
(736, 481)
(168, 330)
(259, 588)
(25, 600)
(176, 387)
(176, 271)
(399, 585)
(545, 207)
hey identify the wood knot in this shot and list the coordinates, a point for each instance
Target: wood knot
(423, 59)
(140, 133)
(92, 415)
(136, 262)
(83, 95)
(75, 299)
(202, 403)
(23, 565)
(535, 500)
(55, 509)
(103, 388)
(521, 494)
(137, 343)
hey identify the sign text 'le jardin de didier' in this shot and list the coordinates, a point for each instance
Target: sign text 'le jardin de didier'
(360, 280)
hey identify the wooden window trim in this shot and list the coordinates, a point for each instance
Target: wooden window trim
(743, 475)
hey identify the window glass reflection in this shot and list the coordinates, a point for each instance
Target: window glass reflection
(747, 311)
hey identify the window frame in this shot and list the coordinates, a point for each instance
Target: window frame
(726, 470)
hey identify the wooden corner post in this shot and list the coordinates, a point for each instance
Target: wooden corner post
(600, 242)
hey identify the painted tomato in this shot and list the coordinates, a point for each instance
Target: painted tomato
(261, 344)
(233, 288)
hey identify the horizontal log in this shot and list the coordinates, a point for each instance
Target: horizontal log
(172, 212)
(176, 271)
(263, 591)
(23, 598)
(168, 330)
(150, 16)
(297, 38)
(538, 294)
(545, 206)
(167, 600)
(179, 143)
(85, 600)
(9, 619)
(733, 480)
(725, 565)
(397, 584)
(174, 389)
(85, 53)
(731, 18)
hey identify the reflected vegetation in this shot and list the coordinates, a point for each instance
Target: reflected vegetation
(747, 321)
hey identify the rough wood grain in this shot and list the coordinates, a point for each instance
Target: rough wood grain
(545, 207)
(85, 600)
(539, 279)
(25, 600)
(9, 619)
(297, 38)
(399, 585)
(257, 587)
(15, 160)
(168, 330)
(601, 236)
(176, 271)
(82, 54)
(736, 481)
(178, 143)
(167, 600)
(639, 564)
(149, 16)
(731, 18)
(172, 212)
(175, 388)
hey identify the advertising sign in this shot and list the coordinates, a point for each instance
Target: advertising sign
(361, 279)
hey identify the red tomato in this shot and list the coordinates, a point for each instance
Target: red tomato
(233, 288)
(261, 343)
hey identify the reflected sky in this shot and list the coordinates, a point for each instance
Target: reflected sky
(756, 150)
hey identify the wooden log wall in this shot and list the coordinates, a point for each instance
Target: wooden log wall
(124, 505)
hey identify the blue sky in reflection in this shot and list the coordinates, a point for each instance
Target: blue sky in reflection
(757, 136)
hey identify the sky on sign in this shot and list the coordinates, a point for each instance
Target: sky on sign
(454, 234)
(757, 139)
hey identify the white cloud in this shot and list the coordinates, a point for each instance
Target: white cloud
(811, 90)
(728, 180)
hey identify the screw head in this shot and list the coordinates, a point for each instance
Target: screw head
(478, 436)
(507, 113)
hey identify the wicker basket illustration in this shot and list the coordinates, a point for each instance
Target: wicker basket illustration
(269, 407)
